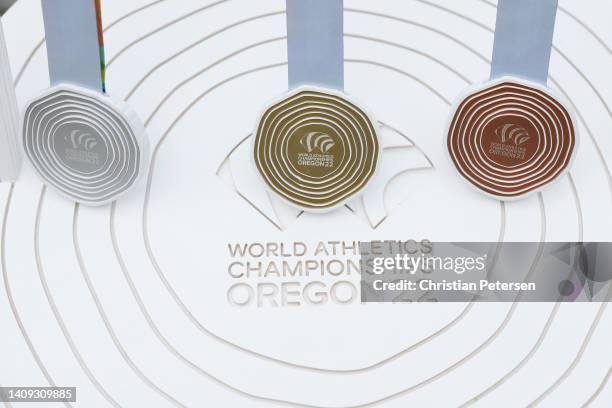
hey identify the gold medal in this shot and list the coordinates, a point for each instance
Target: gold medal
(316, 149)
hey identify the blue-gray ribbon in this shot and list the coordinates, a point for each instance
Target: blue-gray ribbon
(72, 42)
(315, 43)
(523, 39)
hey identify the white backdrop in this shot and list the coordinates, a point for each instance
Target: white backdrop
(129, 302)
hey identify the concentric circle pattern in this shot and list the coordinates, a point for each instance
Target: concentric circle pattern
(128, 302)
(82, 145)
(510, 139)
(316, 149)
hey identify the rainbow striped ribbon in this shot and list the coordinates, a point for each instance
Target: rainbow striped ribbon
(101, 43)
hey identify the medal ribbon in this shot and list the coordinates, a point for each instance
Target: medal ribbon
(523, 39)
(75, 46)
(315, 43)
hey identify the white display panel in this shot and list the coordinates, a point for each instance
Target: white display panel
(10, 155)
(128, 302)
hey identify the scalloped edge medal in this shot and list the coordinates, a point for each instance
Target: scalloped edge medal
(512, 135)
(86, 145)
(315, 147)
